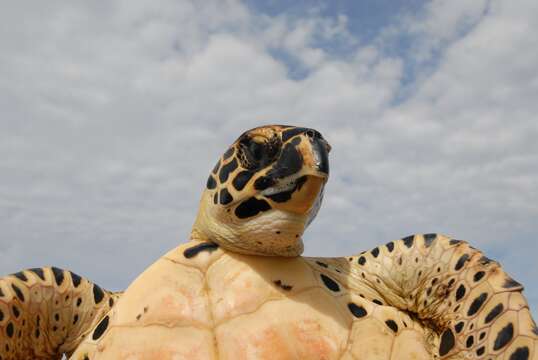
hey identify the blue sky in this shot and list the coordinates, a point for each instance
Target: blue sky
(112, 114)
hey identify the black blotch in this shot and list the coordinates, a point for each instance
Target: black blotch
(228, 153)
(494, 313)
(330, 283)
(263, 183)
(211, 182)
(521, 353)
(283, 286)
(480, 351)
(10, 329)
(16, 311)
(289, 162)
(111, 302)
(428, 239)
(479, 275)
(511, 283)
(286, 195)
(460, 293)
(18, 292)
(1, 315)
(225, 197)
(322, 264)
(226, 170)
(57, 317)
(37, 333)
(461, 261)
(288, 134)
(476, 304)
(459, 327)
(392, 325)
(470, 341)
(20, 275)
(455, 242)
(504, 336)
(356, 310)
(216, 167)
(195, 250)
(75, 319)
(251, 207)
(58, 275)
(242, 179)
(216, 198)
(98, 294)
(1, 292)
(390, 246)
(447, 342)
(362, 260)
(79, 301)
(100, 329)
(378, 302)
(482, 336)
(375, 252)
(408, 241)
(76, 279)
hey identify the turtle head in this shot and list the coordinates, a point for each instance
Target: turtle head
(264, 191)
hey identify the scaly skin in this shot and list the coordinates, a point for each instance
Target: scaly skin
(46, 312)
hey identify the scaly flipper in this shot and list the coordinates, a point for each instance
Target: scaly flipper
(477, 310)
(46, 312)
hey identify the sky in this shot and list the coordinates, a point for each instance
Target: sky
(112, 113)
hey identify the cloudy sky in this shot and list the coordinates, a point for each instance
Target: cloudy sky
(113, 112)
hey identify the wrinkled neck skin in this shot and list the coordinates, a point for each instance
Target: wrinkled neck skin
(276, 233)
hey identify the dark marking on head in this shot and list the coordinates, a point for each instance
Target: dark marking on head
(76, 279)
(58, 275)
(504, 336)
(290, 162)
(510, 283)
(408, 241)
(286, 195)
(216, 167)
(288, 134)
(75, 319)
(100, 329)
(494, 313)
(521, 353)
(390, 246)
(225, 197)
(479, 275)
(195, 250)
(375, 252)
(322, 264)
(477, 304)
(470, 341)
(20, 275)
(455, 242)
(216, 198)
(211, 182)
(242, 179)
(10, 329)
(263, 183)
(459, 327)
(378, 302)
(39, 272)
(225, 170)
(460, 292)
(251, 207)
(361, 260)
(228, 153)
(18, 292)
(330, 283)
(447, 342)
(357, 310)
(98, 294)
(283, 286)
(392, 325)
(461, 262)
(428, 239)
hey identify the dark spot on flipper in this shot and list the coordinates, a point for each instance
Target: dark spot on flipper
(390, 246)
(18, 292)
(378, 302)
(242, 179)
(79, 301)
(100, 328)
(228, 153)
(521, 353)
(322, 264)
(98, 294)
(39, 272)
(361, 260)
(16, 311)
(477, 304)
(480, 351)
(330, 283)
(225, 197)
(356, 310)
(58, 275)
(408, 240)
(429, 239)
(479, 275)
(504, 336)
(10, 330)
(510, 283)
(225, 171)
(138, 316)
(76, 279)
(447, 342)
(20, 275)
(460, 292)
(459, 327)
(494, 313)
(37, 333)
(251, 207)
(470, 341)
(283, 286)
(375, 252)
(392, 325)
(211, 182)
(461, 261)
(195, 250)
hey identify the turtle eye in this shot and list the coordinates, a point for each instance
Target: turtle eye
(257, 153)
(256, 150)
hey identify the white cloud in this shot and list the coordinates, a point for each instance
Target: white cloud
(113, 113)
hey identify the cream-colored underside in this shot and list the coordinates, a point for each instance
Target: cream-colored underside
(226, 306)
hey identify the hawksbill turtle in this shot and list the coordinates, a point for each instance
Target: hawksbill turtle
(239, 289)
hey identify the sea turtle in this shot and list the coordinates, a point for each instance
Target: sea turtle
(239, 289)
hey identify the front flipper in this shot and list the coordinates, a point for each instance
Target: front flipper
(46, 312)
(478, 310)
